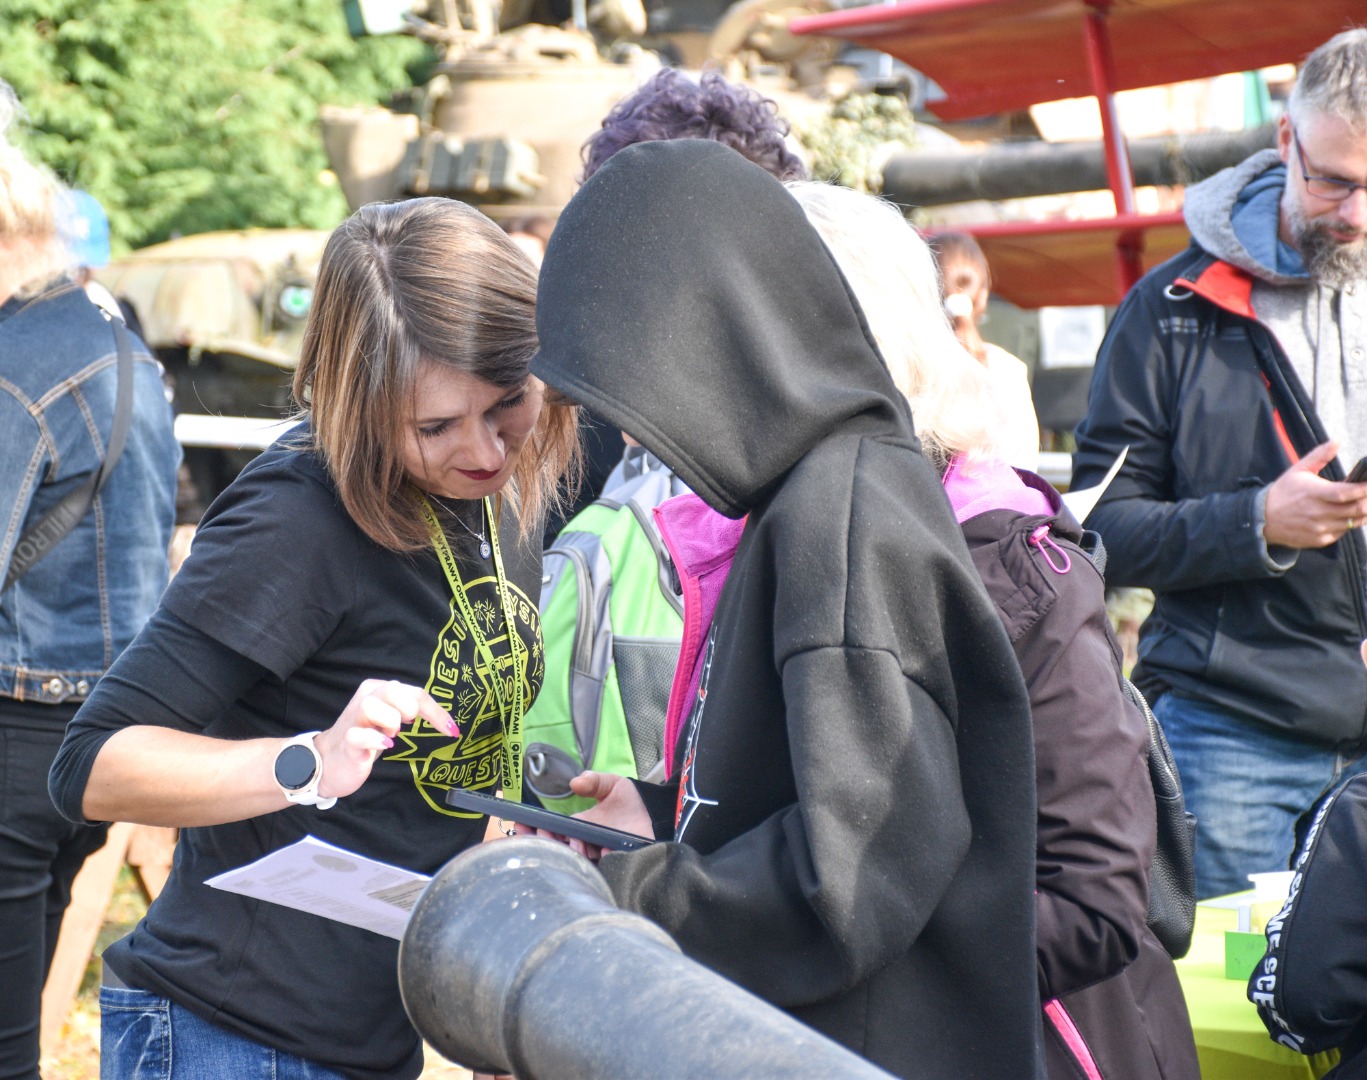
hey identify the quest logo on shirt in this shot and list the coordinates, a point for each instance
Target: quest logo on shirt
(464, 683)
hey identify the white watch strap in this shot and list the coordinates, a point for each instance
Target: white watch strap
(308, 795)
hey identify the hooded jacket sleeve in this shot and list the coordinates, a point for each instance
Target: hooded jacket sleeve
(827, 889)
(1156, 537)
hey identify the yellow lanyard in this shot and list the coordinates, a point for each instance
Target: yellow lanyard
(511, 718)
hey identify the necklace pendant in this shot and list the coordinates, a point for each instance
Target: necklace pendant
(484, 549)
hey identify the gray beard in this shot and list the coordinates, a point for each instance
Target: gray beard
(1330, 262)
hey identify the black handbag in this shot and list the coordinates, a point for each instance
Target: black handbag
(43, 535)
(1172, 875)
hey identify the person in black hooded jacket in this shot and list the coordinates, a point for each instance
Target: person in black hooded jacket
(1113, 1006)
(853, 823)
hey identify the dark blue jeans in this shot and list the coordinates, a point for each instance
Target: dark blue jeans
(146, 1037)
(1246, 783)
(40, 854)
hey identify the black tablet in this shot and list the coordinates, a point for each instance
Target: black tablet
(538, 818)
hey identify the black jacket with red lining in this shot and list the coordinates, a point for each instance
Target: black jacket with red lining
(1212, 411)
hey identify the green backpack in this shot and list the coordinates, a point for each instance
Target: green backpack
(612, 619)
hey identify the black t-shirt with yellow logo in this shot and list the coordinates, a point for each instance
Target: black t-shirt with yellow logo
(281, 577)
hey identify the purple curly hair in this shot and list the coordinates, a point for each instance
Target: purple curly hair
(672, 106)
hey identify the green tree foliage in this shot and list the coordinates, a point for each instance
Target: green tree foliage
(183, 116)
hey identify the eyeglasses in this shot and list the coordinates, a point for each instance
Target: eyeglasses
(1324, 187)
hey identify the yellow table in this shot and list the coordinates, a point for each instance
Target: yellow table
(1231, 1041)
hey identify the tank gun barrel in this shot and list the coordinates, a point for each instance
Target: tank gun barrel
(1014, 171)
(517, 958)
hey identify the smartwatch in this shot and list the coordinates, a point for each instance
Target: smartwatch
(298, 769)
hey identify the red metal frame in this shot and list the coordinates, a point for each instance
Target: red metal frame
(1057, 263)
(1118, 170)
(992, 56)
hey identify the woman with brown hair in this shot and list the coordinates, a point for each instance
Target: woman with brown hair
(390, 541)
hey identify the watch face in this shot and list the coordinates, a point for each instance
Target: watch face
(294, 767)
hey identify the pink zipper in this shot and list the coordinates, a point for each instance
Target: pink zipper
(689, 647)
(1072, 1038)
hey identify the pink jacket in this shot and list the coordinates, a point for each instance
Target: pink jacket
(703, 545)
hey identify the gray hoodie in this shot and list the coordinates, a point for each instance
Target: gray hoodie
(1234, 215)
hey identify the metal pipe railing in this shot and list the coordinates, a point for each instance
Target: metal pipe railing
(517, 960)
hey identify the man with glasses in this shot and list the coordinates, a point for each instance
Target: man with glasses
(1236, 373)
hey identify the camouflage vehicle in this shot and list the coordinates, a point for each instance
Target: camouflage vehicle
(512, 100)
(225, 314)
(518, 87)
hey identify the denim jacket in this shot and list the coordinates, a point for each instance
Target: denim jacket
(63, 623)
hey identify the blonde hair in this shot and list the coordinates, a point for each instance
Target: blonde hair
(29, 193)
(893, 275)
(402, 285)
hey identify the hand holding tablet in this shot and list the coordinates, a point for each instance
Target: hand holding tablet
(538, 818)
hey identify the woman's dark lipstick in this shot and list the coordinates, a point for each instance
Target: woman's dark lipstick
(479, 474)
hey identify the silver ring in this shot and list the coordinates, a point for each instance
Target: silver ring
(1352, 524)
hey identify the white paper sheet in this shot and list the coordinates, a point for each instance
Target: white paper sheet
(1081, 502)
(331, 882)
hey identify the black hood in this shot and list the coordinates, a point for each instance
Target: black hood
(685, 299)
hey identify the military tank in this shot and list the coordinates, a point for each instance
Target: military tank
(225, 314)
(517, 89)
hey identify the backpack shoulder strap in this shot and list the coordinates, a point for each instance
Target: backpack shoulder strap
(44, 534)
